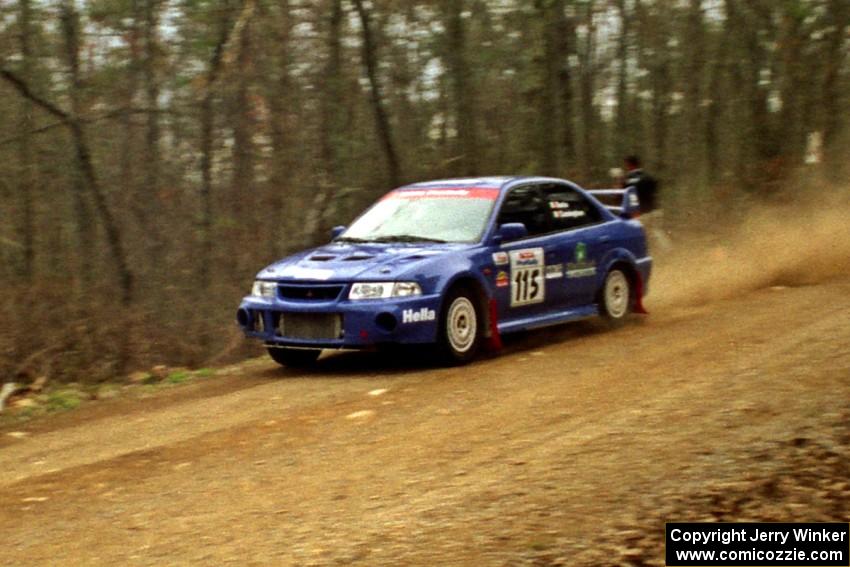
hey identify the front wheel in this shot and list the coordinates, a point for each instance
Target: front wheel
(294, 357)
(460, 327)
(616, 298)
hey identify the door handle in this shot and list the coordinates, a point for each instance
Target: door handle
(604, 239)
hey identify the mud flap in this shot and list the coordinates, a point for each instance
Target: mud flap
(494, 339)
(639, 308)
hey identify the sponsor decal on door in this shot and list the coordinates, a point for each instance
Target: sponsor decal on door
(554, 271)
(582, 267)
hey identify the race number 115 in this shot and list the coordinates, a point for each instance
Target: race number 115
(527, 286)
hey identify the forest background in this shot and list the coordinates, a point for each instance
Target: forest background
(155, 154)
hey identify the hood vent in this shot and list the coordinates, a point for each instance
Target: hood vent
(321, 258)
(358, 258)
(414, 257)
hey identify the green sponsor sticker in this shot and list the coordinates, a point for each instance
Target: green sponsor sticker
(581, 252)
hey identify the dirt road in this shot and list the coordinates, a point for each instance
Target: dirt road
(532, 457)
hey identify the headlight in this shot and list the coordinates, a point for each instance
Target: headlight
(266, 290)
(384, 290)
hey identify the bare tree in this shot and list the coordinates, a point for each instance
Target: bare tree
(691, 75)
(86, 166)
(152, 90)
(833, 99)
(85, 236)
(382, 122)
(282, 128)
(207, 118)
(564, 48)
(548, 123)
(588, 66)
(25, 154)
(462, 93)
(622, 138)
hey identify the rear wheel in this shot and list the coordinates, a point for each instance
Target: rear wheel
(294, 357)
(615, 302)
(460, 327)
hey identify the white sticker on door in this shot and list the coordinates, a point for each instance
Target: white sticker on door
(528, 284)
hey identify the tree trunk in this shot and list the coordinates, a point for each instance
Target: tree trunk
(464, 105)
(282, 130)
(791, 131)
(26, 185)
(207, 119)
(623, 131)
(128, 157)
(152, 133)
(588, 108)
(834, 99)
(85, 165)
(85, 234)
(547, 116)
(225, 31)
(755, 142)
(382, 122)
(654, 37)
(565, 42)
(714, 112)
(242, 181)
(691, 132)
(155, 245)
(331, 102)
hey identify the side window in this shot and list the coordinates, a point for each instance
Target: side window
(568, 209)
(526, 205)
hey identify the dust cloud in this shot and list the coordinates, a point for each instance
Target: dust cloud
(790, 244)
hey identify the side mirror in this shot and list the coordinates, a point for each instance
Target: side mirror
(336, 231)
(511, 231)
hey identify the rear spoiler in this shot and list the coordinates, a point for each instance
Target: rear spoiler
(622, 202)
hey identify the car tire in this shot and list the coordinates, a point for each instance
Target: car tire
(461, 327)
(294, 357)
(616, 298)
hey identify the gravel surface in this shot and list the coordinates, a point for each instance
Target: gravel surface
(571, 448)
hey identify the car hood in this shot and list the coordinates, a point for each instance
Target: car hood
(347, 262)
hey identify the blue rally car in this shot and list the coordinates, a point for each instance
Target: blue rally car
(456, 264)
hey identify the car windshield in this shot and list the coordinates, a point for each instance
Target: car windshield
(425, 216)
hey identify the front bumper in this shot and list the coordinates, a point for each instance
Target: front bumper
(361, 324)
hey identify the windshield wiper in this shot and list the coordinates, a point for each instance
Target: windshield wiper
(351, 239)
(407, 238)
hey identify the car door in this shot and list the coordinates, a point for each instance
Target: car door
(579, 234)
(522, 289)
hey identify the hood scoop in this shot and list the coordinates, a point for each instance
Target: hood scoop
(357, 258)
(321, 257)
(417, 256)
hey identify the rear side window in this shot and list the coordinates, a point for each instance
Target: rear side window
(545, 209)
(568, 209)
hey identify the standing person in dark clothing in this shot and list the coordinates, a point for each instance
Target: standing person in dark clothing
(651, 216)
(645, 185)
